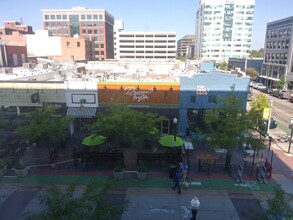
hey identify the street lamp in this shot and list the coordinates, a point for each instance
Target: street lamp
(175, 124)
(270, 115)
(291, 127)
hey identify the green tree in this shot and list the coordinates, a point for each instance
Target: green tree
(45, 125)
(280, 204)
(127, 126)
(223, 66)
(228, 125)
(252, 73)
(257, 53)
(281, 83)
(91, 204)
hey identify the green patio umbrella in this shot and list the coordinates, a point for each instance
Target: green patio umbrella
(168, 141)
(93, 140)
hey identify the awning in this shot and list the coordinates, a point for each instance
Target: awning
(188, 145)
(88, 112)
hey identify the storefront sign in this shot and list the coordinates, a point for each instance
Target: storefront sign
(138, 95)
(201, 90)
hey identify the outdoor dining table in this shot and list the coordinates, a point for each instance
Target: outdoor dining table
(206, 157)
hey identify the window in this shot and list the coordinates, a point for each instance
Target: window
(212, 99)
(82, 17)
(58, 17)
(52, 17)
(95, 17)
(89, 31)
(101, 17)
(101, 31)
(46, 17)
(95, 31)
(78, 44)
(64, 17)
(193, 99)
(89, 17)
(68, 44)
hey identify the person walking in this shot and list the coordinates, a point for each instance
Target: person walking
(177, 180)
(184, 178)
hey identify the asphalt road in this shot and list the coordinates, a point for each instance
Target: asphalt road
(282, 108)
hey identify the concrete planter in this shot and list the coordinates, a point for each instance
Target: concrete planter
(21, 172)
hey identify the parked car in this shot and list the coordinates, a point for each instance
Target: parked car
(261, 87)
(249, 97)
(290, 99)
(252, 83)
(281, 94)
(273, 123)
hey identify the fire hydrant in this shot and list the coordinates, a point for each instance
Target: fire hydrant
(194, 207)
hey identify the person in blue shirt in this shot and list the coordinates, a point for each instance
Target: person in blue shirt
(177, 180)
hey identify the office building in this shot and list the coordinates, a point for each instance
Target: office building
(243, 63)
(144, 45)
(92, 24)
(185, 46)
(223, 29)
(278, 57)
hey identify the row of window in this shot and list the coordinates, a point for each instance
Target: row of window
(278, 44)
(147, 46)
(236, 6)
(147, 35)
(280, 58)
(279, 33)
(147, 41)
(95, 31)
(211, 99)
(149, 57)
(147, 51)
(82, 17)
(66, 24)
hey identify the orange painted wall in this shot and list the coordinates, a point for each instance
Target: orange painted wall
(139, 93)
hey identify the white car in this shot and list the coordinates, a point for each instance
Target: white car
(260, 86)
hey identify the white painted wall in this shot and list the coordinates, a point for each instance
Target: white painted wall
(41, 44)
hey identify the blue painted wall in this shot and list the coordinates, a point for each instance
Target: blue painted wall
(204, 85)
(207, 66)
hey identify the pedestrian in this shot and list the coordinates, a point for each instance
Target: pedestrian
(177, 180)
(184, 178)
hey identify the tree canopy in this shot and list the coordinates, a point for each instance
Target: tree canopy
(91, 204)
(257, 53)
(45, 125)
(127, 126)
(252, 73)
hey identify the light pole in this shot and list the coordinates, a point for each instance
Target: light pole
(175, 126)
(291, 127)
(270, 115)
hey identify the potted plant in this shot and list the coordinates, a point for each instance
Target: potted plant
(118, 172)
(142, 172)
(21, 168)
(3, 166)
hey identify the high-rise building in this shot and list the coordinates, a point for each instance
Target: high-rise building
(278, 54)
(185, 46)
(223, 29)
(144, 45)
(93, 24)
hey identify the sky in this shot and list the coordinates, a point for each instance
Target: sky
(149, 15)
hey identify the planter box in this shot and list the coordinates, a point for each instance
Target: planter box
(118, 175)
(142, 176)
(21, 172)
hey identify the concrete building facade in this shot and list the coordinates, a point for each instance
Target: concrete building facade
(278, 54)
(223, 29)
(41, 44)
(144, 45)
(93, 24)
(243, 63)
(185, 46)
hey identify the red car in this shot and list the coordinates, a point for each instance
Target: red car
(290, 99)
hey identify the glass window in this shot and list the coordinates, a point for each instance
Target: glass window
(101, 45)
(65, 24)
(58, 17)
(83, 31)
(89, 24)
(78, 44)
(95, 24)
(83, 24)
(68, 44)
(47, 24)
(193, 99)
(53, 24)
(46, 17)
(89, 31)
(101, 17)
(52, 17)
(95, 17)
(95, 31)
(64, 17)
(65, 31)
(101, 38)
(101, 23)
(82, 17)
(59, 31)
(59, 24)
(89, 17)
(212, 99)
(101, 31)
(102, 52)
